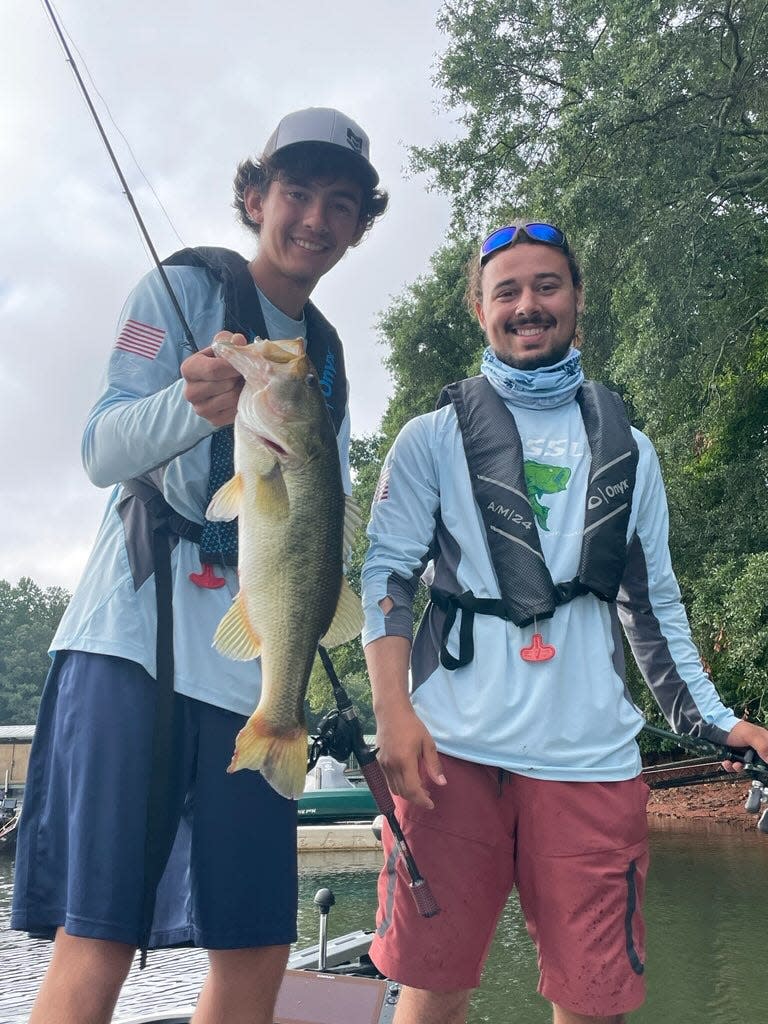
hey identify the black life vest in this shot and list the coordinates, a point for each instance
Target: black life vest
(495, 459)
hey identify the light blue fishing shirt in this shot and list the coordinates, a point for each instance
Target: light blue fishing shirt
(571, 718)
(142, 424)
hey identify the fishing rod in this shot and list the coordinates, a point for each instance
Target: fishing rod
(751, 761)
(693, 772)
(341, 734)
(118, 170)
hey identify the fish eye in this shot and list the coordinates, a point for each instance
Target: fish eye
(311, 380)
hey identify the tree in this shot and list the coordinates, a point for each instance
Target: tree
(28, 619)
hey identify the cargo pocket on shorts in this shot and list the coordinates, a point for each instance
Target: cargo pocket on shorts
(633, 956)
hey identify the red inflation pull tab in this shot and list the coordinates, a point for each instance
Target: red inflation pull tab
(207, 579)
(538, 651)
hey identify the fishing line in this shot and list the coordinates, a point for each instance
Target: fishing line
(119, 131)
(118, 170)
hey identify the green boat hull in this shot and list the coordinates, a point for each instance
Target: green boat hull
(354, 803)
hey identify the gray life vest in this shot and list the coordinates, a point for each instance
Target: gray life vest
(494, 456)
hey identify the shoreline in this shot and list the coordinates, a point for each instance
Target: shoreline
(721, 802)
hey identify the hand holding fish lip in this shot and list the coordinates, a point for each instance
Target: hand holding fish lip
(212, 384)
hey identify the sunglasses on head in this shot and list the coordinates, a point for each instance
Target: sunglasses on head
(538, 232)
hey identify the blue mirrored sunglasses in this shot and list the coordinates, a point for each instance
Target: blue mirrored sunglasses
(539, 232)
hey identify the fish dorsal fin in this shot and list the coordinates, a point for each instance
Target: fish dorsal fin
(352, 523)
(348, 620)
(224, 506)
(234, 636)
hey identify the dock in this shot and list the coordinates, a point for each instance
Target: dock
(342, 838)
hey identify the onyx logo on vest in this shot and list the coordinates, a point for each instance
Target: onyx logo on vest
(608, 493)
(327, 379)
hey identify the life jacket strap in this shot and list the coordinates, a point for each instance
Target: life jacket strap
(469, 605)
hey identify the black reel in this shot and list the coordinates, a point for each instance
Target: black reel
(335, 736)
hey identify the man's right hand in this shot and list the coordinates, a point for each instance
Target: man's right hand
(213, 385)
(408, 756)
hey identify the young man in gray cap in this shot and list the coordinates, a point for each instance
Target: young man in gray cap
(133, 834)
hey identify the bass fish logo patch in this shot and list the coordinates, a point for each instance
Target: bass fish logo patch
(540, 480)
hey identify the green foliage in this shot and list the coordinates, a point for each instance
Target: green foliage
(730, 614)
(431, 336)
(28, 619)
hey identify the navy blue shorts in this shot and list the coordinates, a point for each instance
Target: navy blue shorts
(231, 880)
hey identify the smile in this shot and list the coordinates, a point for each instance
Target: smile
(309, 246)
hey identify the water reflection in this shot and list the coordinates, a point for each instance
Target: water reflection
(707, 925)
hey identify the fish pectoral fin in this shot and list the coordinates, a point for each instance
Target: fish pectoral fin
(225, 504)
(235, 637)
(272, 494)
(281, 757)
(348, 620)
(352, 523)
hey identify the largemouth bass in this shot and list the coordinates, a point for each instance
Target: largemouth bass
(295, 525)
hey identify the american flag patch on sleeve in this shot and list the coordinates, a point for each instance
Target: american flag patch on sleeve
(140, 339)
(382, 488)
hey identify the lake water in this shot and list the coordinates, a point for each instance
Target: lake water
(706, 911)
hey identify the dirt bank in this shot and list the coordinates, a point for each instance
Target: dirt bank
(715, 801)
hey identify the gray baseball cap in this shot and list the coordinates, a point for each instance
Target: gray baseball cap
(322, 124)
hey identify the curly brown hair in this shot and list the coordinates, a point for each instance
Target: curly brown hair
(309, 161)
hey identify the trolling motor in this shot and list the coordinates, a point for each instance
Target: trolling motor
(340, 734)
(757, 798)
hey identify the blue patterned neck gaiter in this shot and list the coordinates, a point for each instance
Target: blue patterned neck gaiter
(543, 388)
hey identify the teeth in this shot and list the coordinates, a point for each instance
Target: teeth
(528, 332)
(311, 246)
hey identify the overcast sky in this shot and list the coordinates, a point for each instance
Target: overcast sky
(194, 88)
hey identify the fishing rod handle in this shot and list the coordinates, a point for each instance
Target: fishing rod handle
(377, 783)
(426, 904)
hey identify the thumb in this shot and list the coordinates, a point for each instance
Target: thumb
(239, 339)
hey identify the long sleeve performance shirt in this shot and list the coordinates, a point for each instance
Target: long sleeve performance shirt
(142, 425)
(570, 718)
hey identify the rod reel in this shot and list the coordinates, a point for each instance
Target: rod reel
(341, 734)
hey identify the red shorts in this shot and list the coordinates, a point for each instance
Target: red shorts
(577, 852)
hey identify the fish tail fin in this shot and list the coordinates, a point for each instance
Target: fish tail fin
(234, 636)
(280, 757)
